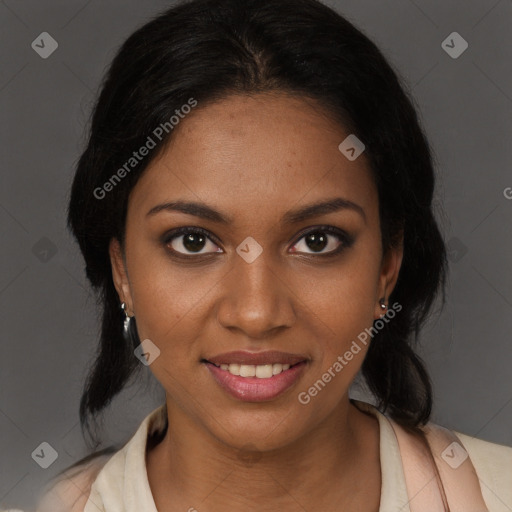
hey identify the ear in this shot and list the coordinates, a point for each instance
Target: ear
(390, 268)
(120, 275)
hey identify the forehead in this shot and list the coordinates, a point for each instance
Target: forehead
(266, 152)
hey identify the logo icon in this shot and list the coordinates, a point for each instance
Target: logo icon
(351, 147)
(456, 249)
(454, 455)
(44, 45)
(249, 454)
(249, 249)
(44, 250)
(147, 352)
(454, 45)
(45, 455)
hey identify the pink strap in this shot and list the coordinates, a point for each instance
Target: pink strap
(458, 475)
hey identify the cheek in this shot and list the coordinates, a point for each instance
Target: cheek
(168, 300)
(344, 297)
(169, 307)
(342, 304)
(342, 314)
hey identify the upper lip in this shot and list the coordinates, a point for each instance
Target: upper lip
(256, 358)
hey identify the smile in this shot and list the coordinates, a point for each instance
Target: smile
(256, 376)
(260, 371)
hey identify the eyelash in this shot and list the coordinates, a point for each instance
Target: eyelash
(345, 239)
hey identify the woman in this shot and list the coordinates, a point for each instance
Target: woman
(256, 194)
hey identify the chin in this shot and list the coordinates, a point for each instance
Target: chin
(258, 430)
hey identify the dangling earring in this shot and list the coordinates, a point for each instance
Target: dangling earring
(129, 329)
(126, 326)
(383, 305)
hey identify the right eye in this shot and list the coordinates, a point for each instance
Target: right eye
(191, 239)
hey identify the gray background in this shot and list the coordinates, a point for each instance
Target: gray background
(48, 316)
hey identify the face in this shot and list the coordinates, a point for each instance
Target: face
(253, 267)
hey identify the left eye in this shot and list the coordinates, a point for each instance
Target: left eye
(320, 240)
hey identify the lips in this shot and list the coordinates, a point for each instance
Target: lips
(256, 376)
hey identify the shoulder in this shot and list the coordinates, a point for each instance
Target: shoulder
(493, 465)
(486, 454)
(69, 491)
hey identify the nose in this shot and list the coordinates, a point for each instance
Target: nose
(255, 299)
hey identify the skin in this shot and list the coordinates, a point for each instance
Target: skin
(253, 159)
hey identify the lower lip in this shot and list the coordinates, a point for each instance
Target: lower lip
(253, 389)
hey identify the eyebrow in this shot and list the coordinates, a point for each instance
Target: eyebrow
(303, 213)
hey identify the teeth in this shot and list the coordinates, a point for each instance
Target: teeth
(247, 370)
(261, 371)
(277, 368)
(264, 371)
(234, 369)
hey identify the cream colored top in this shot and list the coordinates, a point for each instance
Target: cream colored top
(120, 482)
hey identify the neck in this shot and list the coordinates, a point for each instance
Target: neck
(190, 465)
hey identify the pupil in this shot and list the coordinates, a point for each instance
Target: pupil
(316, 241)
(194, 241)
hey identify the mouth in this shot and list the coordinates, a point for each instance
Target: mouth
(256, 377)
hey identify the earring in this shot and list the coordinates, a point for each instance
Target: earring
(127, 320)
(129, 328)
(383, 305)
